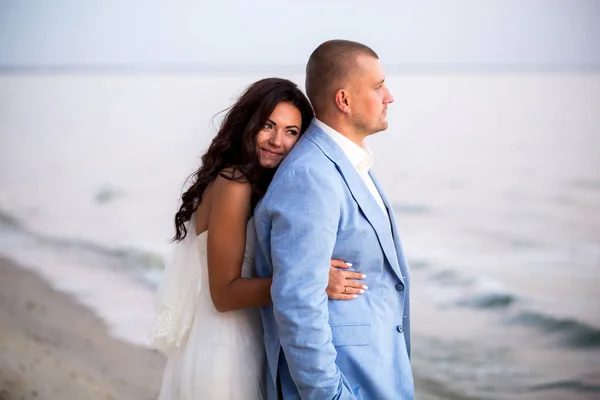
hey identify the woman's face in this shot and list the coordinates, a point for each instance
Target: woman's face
(279, 134)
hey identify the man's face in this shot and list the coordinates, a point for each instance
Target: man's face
(369, 96)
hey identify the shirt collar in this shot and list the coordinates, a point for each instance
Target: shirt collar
(360, 157)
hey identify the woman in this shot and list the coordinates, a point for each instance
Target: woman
(208, 322)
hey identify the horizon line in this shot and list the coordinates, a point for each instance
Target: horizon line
(113, 68)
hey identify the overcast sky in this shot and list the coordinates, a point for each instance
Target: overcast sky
(247, 33)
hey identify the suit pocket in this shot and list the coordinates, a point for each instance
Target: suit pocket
(351, 335)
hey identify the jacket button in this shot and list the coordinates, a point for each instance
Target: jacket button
(400, 287)
(400, 328)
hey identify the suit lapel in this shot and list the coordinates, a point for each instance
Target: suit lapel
(395, 233)
(360, 192)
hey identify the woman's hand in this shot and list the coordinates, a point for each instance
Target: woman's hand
(342, 284)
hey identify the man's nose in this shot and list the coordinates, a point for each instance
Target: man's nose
(389, 97)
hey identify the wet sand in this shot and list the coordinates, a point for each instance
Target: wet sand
(51, 347)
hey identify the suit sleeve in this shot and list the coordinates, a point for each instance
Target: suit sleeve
(304, 212)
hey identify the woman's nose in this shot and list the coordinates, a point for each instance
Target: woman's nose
(275, 139)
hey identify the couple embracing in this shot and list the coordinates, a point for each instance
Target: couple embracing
(288, 280)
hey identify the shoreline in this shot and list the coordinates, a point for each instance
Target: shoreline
(52, 347)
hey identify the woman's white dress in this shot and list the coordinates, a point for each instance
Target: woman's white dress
(210, 355)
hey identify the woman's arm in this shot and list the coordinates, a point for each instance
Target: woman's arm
(229, 212)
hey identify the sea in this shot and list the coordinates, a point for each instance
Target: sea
(494, 177)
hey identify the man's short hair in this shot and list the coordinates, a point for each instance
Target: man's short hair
(329, 65)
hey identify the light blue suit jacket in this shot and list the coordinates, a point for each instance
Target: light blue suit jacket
(317, 208)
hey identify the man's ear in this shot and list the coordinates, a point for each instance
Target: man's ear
(341, 101)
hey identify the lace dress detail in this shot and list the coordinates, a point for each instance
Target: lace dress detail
(211, 355)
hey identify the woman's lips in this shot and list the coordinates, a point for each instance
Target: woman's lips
(271, 152)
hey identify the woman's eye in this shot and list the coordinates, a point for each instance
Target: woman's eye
(267, 126)
(293, 132)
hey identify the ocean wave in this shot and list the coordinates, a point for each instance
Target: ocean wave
(419, 263)
(572, 333)
(116, 258)
(10, 221)
(451, 288)
(509, 239)
(124, 258)
(485, 294)
(438, 389)
(405, 208)
(489, 300)
(489, 295)
(445, 276)
(572, 385)
(585, 184)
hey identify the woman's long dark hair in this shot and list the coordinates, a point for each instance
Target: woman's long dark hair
(234, 146)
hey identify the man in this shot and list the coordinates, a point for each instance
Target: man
(324, 203)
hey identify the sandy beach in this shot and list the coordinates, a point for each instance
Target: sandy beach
(53, 348)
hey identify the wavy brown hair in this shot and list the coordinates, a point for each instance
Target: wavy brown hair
(235, 147)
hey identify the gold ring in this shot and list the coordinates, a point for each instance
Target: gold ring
(345, 290)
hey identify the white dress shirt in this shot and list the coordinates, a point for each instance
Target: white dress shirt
(361, 158)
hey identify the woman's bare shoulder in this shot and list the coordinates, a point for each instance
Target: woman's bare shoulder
(231, 184)
(233, 174)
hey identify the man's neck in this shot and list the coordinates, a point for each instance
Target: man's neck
(344, 129)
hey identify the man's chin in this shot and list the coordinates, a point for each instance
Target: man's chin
(381, 127)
